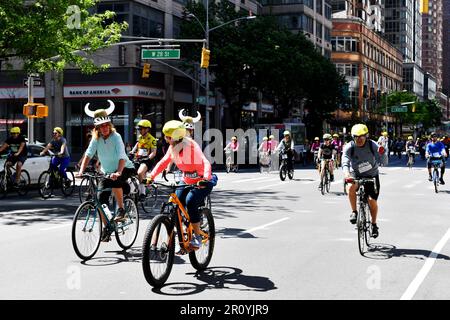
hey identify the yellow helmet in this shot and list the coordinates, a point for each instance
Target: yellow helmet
(174, 129)
(59, 130)
(410, 138)
(384, 134)
(15, 130)
(335, 135)
(144, 123)
(359, 129)
(326, 136)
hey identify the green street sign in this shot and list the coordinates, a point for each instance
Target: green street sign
(201, 100)
(399, 109)
(160, 54)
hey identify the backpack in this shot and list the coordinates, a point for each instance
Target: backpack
(352, 148)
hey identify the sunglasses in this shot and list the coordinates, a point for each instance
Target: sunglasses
(355, 137)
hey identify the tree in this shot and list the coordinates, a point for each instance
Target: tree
(50, 34)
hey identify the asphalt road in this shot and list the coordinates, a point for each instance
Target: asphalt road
(275, 240)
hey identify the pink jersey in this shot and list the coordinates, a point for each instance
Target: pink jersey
(315, 146)
(233, 146)
(272, 144)
(190, 160)
(337, 145)
(264, 147)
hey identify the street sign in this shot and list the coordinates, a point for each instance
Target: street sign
(399, 109)
(160, 54)
(36, 82)
(201, 100)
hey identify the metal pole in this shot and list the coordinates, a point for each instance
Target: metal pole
(207, 69)
(30, 119)
(385, 113)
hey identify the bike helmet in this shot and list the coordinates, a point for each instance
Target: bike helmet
(174, 129)
(234, 138)
(271, 136)
(433, 134)
(384, 134)
(286, 133)
(265, 139)
(15, 130)
(335, 135)
(359, 130)
(410, 138)
(316, 139)
(101, 115)
(59, 130)
(188, 121)
(144, 123)
(326, 136)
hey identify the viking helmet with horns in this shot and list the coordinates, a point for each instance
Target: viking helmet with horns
(100, 115)
(189, 121)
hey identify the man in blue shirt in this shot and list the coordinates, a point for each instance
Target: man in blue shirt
(435, 150)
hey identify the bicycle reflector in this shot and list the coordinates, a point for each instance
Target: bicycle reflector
(35, 110)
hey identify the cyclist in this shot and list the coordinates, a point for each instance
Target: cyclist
(233, 146)
(337, 143)
(435, 150)
(315, 150)
(287, 146)
(410, 148)
(17, 147)
(144, 152)
(360, 161)
(189, 158)
(114, 162)
(264, 151)
(383, 141)
(61, 151)
(189, 122)
(327, 151)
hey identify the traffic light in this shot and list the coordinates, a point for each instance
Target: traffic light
(205, 58)
(35, 110)
(423, 6)
(414, 107)
(146, 70)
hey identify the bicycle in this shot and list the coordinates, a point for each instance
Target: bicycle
(172, 224)
(436, 162)
(325, 180)
(265, 161)
(8, 179)
(363, 218)
(151, 192)
(229, 166)
(91, 218)
(283, 171)
(411, 154)
(51, 179)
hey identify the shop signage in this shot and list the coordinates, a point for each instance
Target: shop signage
(112, 92)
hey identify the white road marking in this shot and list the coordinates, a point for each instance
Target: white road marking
(56, 227)
(415, 284)
(272, 185)
(263, 226)
(26, 211)
(253, 179)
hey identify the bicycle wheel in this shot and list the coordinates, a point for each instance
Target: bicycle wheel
(323, 181)
(228, 165)
(201, 258)
(158, 250)
(68, 184)
(24, 182)
(150, 199)
(126, 232)
(291, 174)
(368, 228)
(436, 180)
(361, 225)
(87, 189)
(86, 230)
(45, 184)
(327, 181)
(283, 172)
(3, 185)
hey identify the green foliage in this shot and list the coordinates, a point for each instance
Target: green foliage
(46, 34)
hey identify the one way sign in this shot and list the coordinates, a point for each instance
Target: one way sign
(36, 82)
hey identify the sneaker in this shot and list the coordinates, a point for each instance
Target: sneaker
(196, 241)
(441, 181)
(430, 178)
(353, 217)
(120, 215)
(374, 231)
(105, 237)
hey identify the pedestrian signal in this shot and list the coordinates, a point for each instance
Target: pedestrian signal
(146, 70)
(205, 58)
(35, 110)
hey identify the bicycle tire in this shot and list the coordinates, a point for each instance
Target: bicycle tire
(291, 174)
(283, 172)
(86, 190)
(162, 252)
(45, 184)
(368, 227)
(436, 180)
(150, 200)
(24, 182)
(201, 258)
(67, 191)
(327, 181)
(3, 185)
(228, 165)
(127, 231)
(322, 184)
(360, 225)
(89, 233)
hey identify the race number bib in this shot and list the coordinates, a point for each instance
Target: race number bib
(364, 167)
(143, 152)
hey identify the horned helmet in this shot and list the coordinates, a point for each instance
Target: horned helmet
(100, 115)
(188, 121)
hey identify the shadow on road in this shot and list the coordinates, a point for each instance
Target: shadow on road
(381, 251)
(218, 278)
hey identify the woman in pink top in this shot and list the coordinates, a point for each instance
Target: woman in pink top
(189, 158)
(233, 146)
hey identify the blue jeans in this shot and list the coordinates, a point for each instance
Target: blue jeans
(63, 163)
(192, 199)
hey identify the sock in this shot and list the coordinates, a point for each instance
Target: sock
(141, 188)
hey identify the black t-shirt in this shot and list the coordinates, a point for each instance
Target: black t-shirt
(327, 151)
(14, 145)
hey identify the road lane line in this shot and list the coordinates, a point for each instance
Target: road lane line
(56, 227)
(263, 226)
(271, 185)
(253, 179)
(415, 284)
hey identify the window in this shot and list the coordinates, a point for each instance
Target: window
(319, 32)
(346, 44)
(319, 8)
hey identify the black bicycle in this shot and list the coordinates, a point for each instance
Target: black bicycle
(8, 179)
(363, 218)
(436, 162)
(52, 179)
(88, 185)
(325, 180)
(284, 165)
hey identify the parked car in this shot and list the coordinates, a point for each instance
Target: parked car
(35, 163)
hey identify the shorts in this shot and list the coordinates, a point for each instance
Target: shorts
(14, 159)
(370, 190)
(121, 182)
(430, 165)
